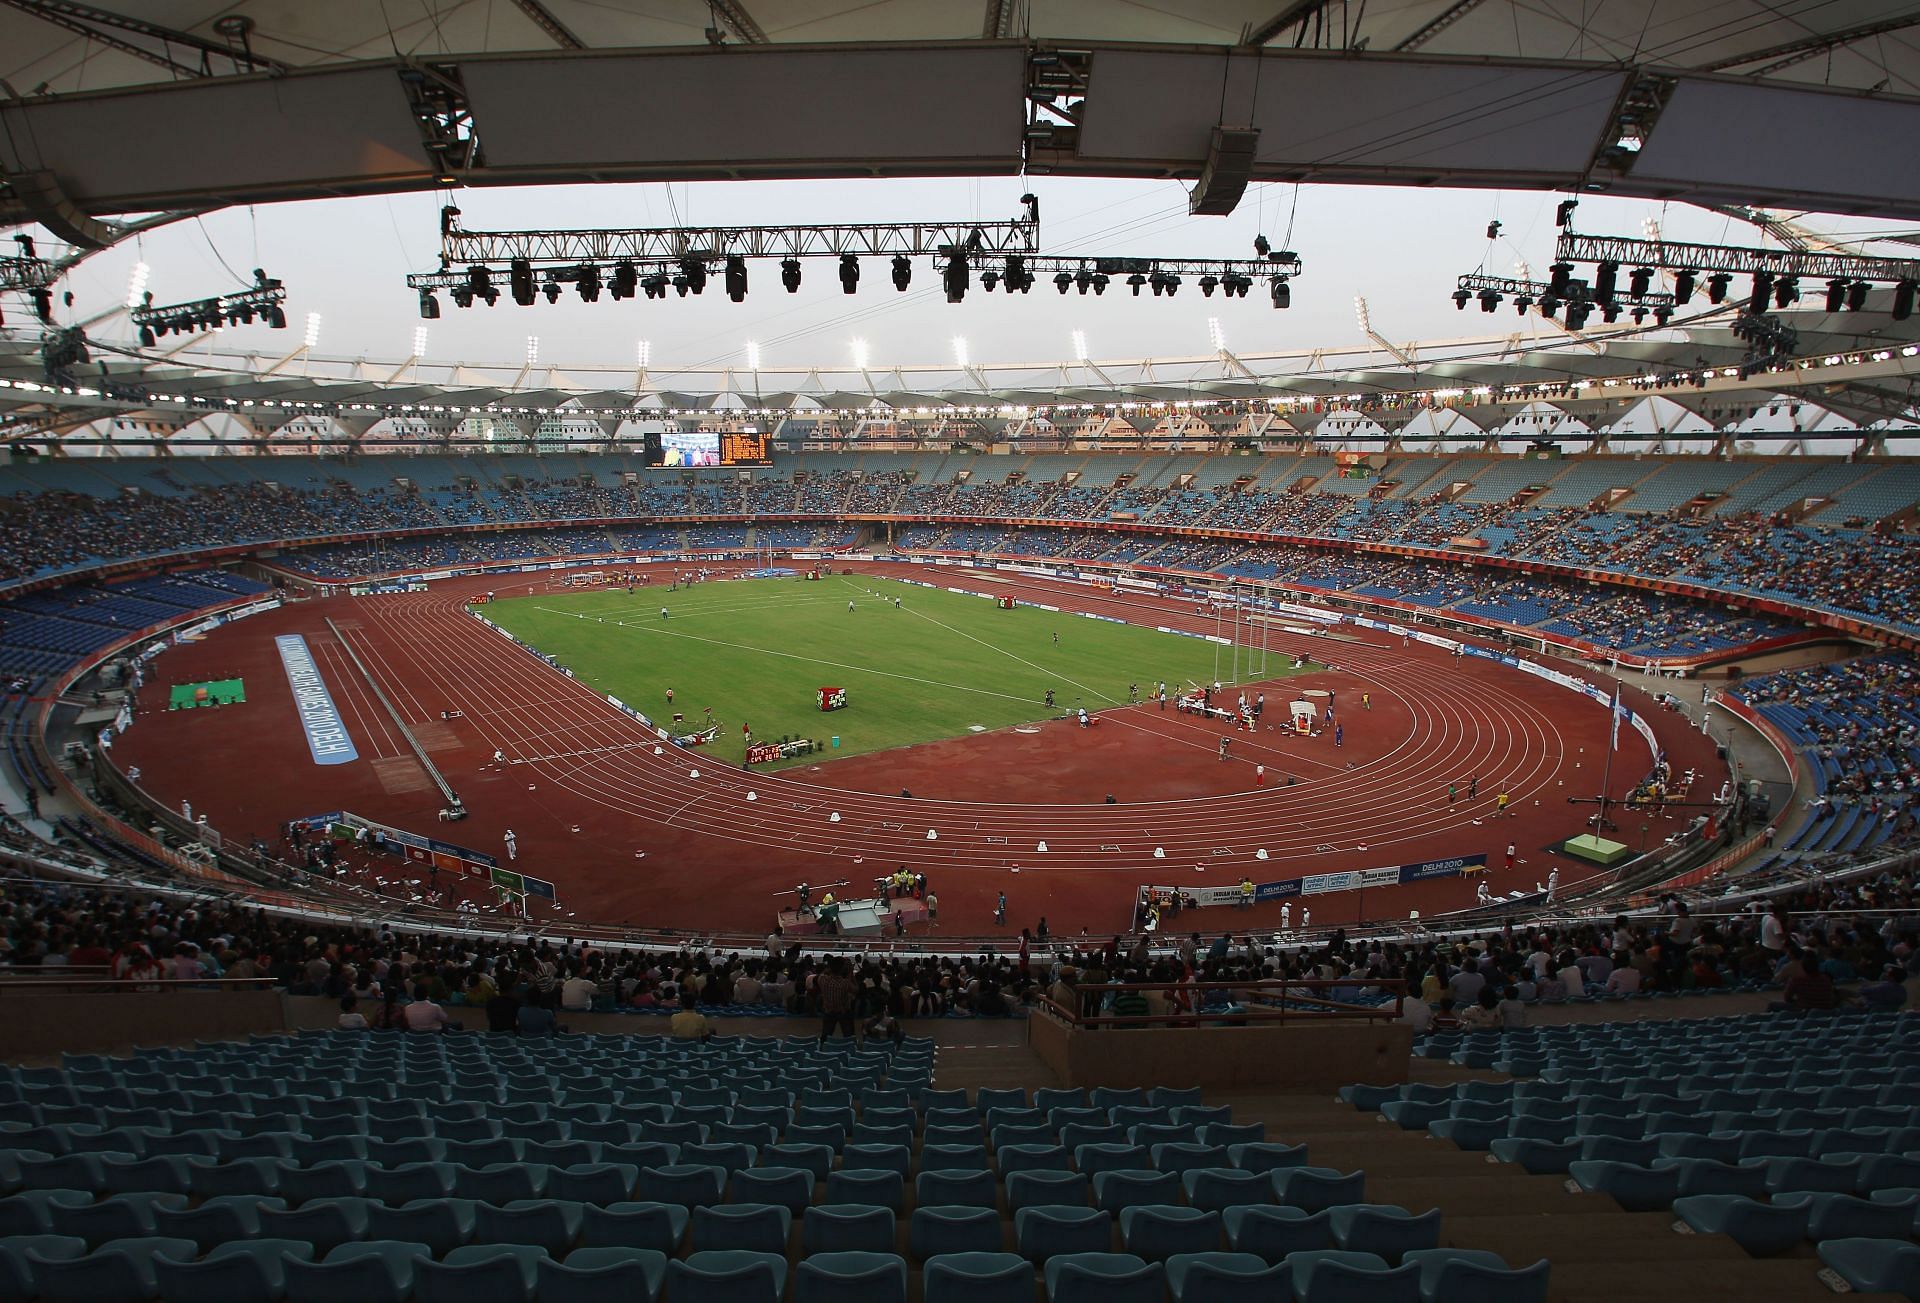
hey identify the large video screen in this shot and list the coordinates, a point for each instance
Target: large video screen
(744, 448)
(690, 448)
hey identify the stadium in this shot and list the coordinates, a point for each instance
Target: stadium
(809, 778)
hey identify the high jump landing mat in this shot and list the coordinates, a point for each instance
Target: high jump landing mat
(218, 692)
(1597, 850)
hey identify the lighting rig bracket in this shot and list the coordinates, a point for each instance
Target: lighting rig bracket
(263, 299)
(28, 274)
(1579, 297)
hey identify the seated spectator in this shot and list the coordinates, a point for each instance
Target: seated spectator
(1512, 1010)
(423, 1015)
(1889, 992)
(1416, 1013)
(885, 1026)
(503, 1012)
(1624, 979)
(351, 1019)
(535, 1021)
(689, 1024)
(1483, 1014)
(577, 993)
(1807, 987)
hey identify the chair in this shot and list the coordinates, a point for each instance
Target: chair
(1317, 1189)
(1114, 1190)
(1104, 1278)
(1832, 1176)
(1831, 1216)
(1271, 1232)
(1041, 1233)
(121, 1217)
(957, 1189)
(1266, 1156)
(1226, 1187)
(1383, 1229)
(834, 1228)
(592, 1275)
(1873, 1266)
(936, 1231)
(881, 1158)
(1216, 1277)
(1032, 1188)
(1763, 1230)
(1096, 1158)
(120, 1269)
(1475, 1276)
(480, 1273)
(31, 1212)
(1157, 1232)
(326, 1224)
(16, 1273)
(1343, 1276)
(977, 1277)
(888, 1189)
(789, 1187)
(728, 1158)
(552, 1225)
(1710, 1176)
(215, 1222)
(731, 1276)
(817, 1159)
(1634, 1188)
(690, 1185)
(418, 1181)
(961, 1158)
(656, 1226)
(370, 1271)
(851, 1276)
(761, 1227)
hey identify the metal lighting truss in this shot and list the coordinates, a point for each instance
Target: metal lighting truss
(29, 274)
(1736, 261)
(262, 299)
(1573, 290)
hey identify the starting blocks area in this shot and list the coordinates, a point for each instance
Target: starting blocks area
(218, 692)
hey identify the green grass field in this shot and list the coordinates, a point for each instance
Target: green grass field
(940, 665)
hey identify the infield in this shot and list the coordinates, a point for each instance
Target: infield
(938, 665)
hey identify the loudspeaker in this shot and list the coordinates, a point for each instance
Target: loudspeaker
(655, 454)
(1224, 176)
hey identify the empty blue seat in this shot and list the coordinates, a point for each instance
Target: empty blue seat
(592, 1275)
(959, 1158)
(638, 1225)
(480, 1273)
(443, 1225)
(1537, 1157)
(887, 1189)
(1384, 1229)
(414, 1181)
(1026, 1189)
(1832, 1216)
(552, 1225)
(1634, 1188)
(368, 1271)
(31, 1212)
(689, 1185)
(761, 1227)
(1226, 1187)
(977, 1277)
(1709, 1176)
(879, 1158)
(789, 1187)
(1041, 1233)
(120, 1217)
(1031, 1158)
(1835, 1176)
(1216, 1277)
(1873, 1266)
(1271, 1232)
(1114, 1190)
(217, 1221)
(325, 1223)
(957, 1189)
(817, 1159)
(1104, 1278)
(1476, 1276)
(1318, 1188)
(851, 1277)
(1344, 1276)
(1157, 1232)
(832, 1228)
(1761, 1229)
(735, 1276)
(16, 1272)
(934, 1231)
(1094, 1159)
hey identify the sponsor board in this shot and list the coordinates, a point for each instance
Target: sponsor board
(326, 732)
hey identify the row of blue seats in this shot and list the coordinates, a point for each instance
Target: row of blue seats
(393, 1271)
(1788, 1220)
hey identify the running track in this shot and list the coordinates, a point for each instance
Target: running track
(657, 846)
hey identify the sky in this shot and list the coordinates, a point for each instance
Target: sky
(347, 260)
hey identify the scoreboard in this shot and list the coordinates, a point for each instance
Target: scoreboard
(744, 448)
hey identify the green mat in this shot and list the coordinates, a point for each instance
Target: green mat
(1597, 850)
(220, 692)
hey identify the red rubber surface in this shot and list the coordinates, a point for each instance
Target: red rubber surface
(659, 848)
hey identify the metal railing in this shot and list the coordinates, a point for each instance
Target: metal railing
(1274, 1000)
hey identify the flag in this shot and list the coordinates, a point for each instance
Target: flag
(1614, 743)
(539, 887)
(508, 879)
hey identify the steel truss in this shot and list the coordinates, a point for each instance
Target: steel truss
(262, 299)
(1733, 260)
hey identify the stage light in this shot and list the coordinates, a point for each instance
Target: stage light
(479, 281)
(520, 281)
(1136, 281)
(626, 279)
(1549, 306)
(1604, 281)
(1157, 280)
(1786, 291)
(736, 277)
(1640, 282)
(1903, 292)
(990, 280)
(1100, 280)
(1610, 311)
(1460, 298)
(1490, 299)
(1017, 276)
(1683, 287)
(462, 298)
(587, 281)
(1563, 215)
(849, 273)
(1557, 277)
(1521, 304)
(1717, 285)
(276, 318)
(902, 272)
(430, 306)
(1661, 316)
(790, 274)
(1857, 295)
(695, 272)
(1577, 314)
(1063, 280)
(1280, 292)
(552, 291)
(954, 277)
(656, 285)
(681, 285)
(1762, 291)
(1208, 284)
(1083, 280)
(1173, 284)
(146, 337)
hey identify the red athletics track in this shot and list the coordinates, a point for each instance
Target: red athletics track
(657, 847)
